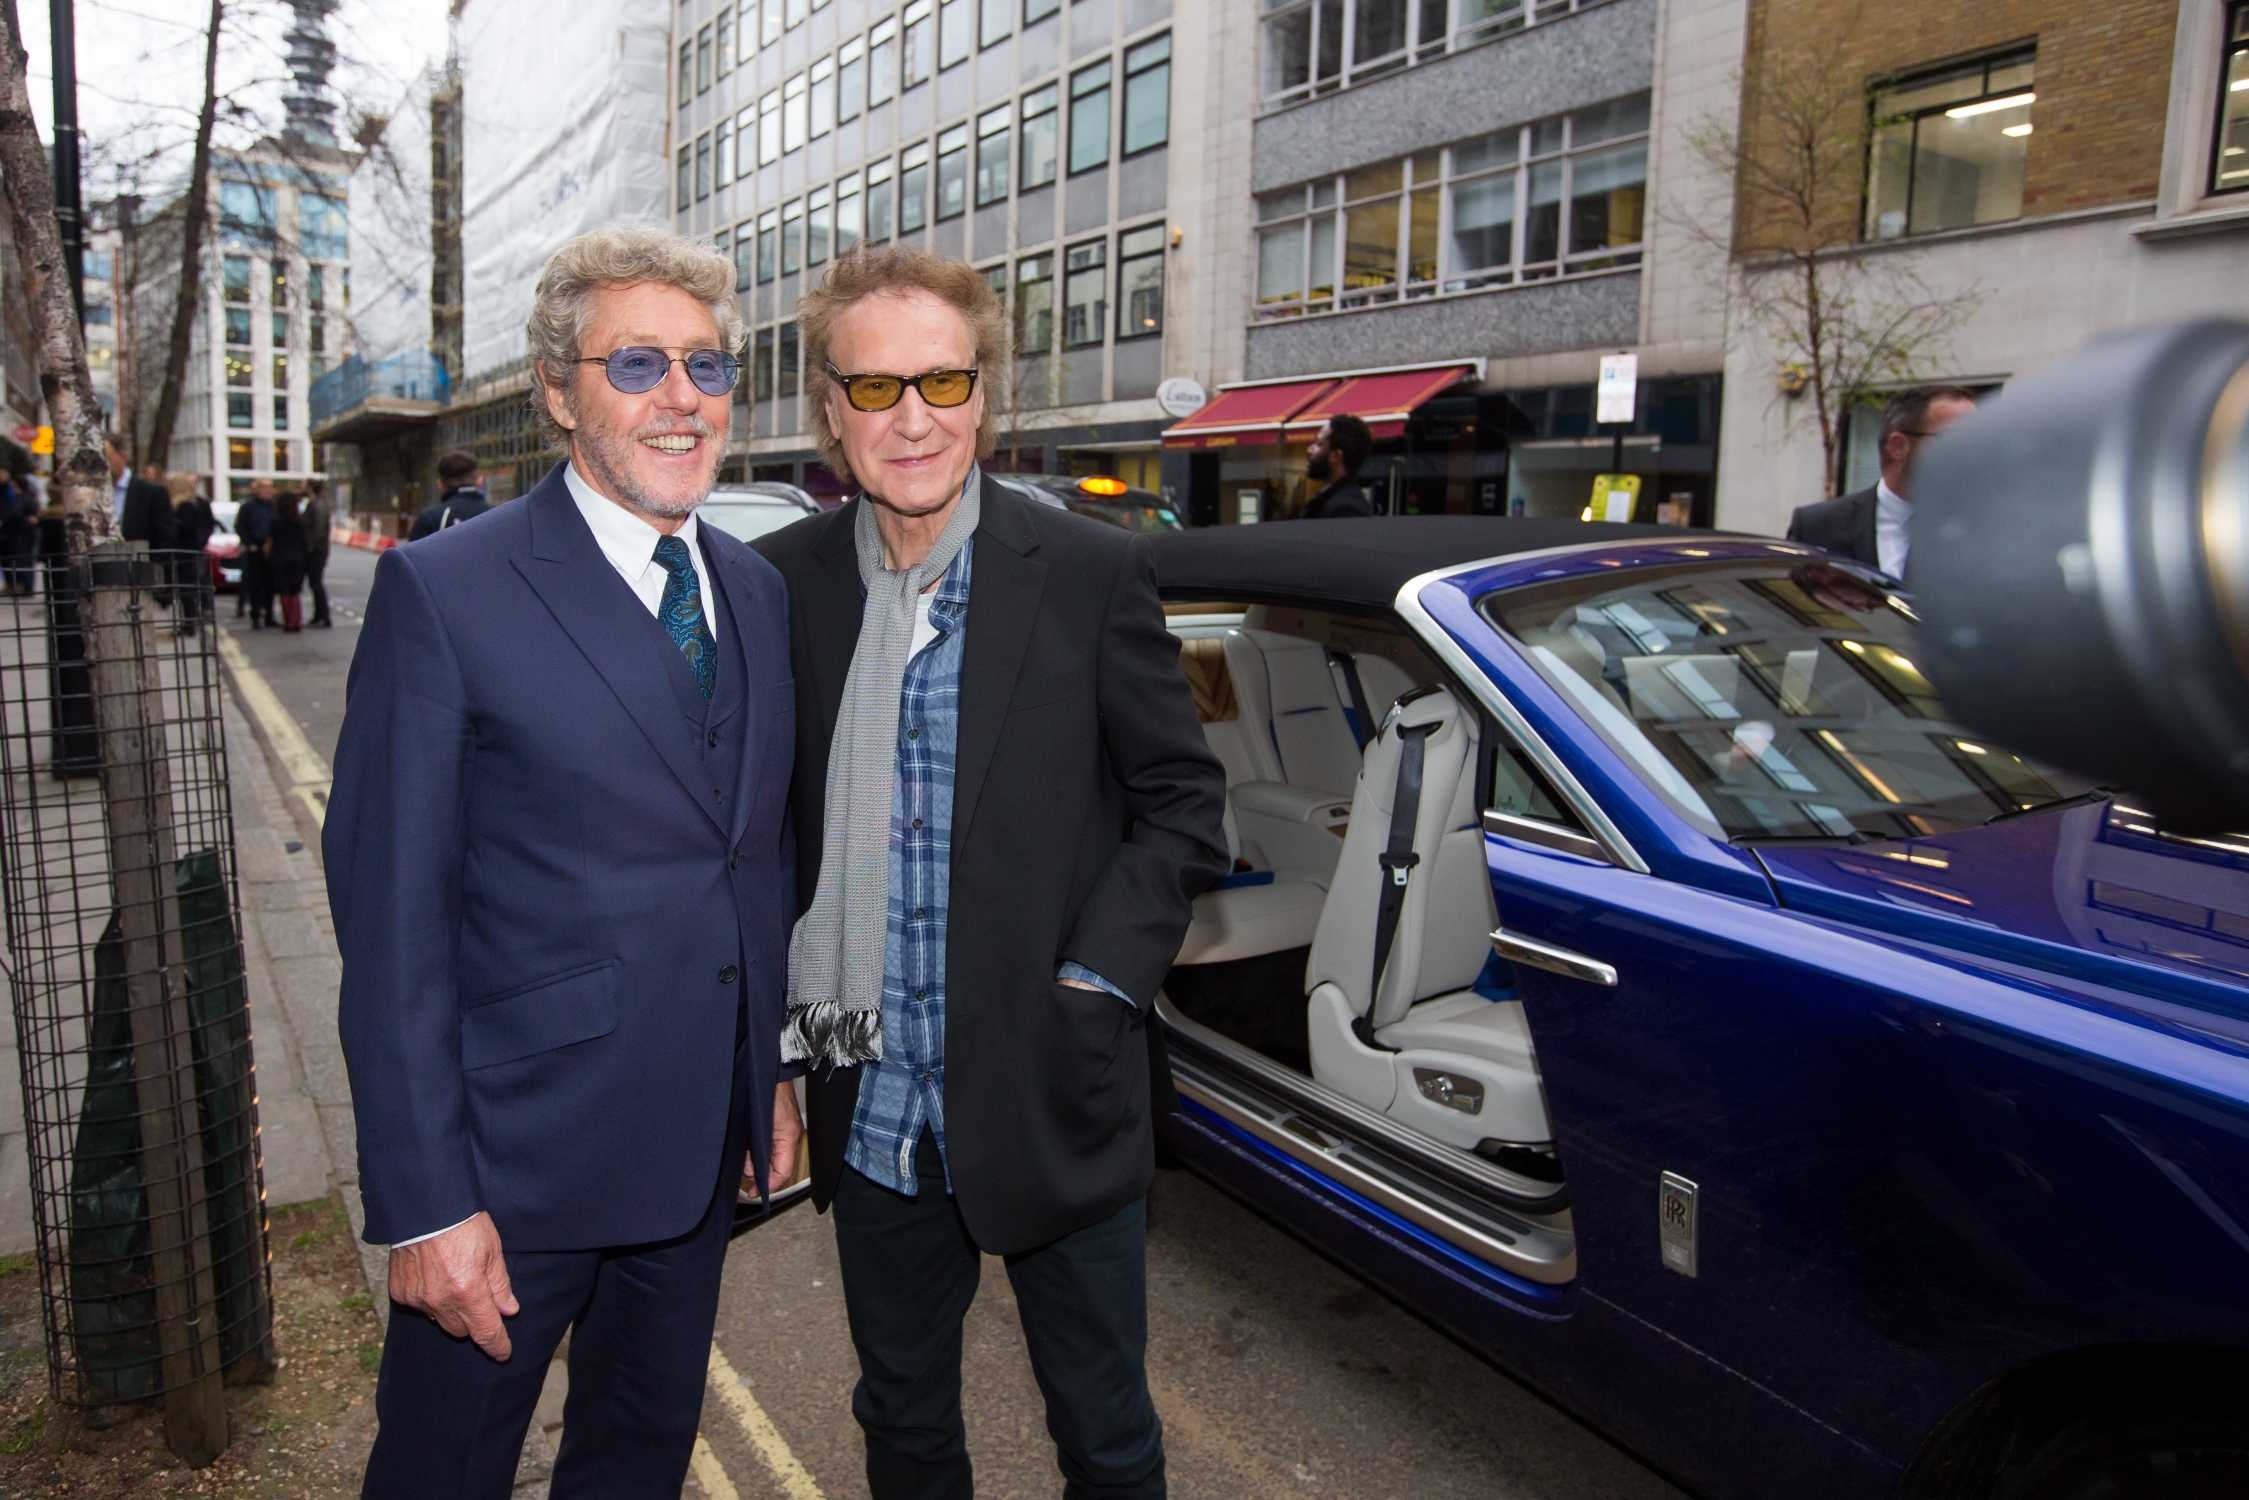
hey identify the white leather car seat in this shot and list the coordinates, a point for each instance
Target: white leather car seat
(1425, 1023)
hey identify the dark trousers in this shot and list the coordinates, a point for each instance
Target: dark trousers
(316, 570)
(257, 586)
(639, 1319)
(909, 1274)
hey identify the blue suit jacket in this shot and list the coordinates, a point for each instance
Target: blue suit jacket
(540, 900)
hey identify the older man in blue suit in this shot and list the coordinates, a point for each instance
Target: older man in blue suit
(558, 857)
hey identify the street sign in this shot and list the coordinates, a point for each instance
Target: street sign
(1181, 397)
(24, 432)
(1620, 382)
(1614, 496)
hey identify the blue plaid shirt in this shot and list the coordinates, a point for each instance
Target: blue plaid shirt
(904, 1093)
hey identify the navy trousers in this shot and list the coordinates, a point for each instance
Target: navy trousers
(639, 1318)
(909, 1274)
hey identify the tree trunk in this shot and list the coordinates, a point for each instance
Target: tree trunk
(191, 255)
(81, 479)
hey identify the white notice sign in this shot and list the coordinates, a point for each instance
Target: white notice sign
(1620, 381)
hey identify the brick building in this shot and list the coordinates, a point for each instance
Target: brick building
(2047, 168)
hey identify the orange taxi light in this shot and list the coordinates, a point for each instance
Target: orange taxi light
(1102, 484)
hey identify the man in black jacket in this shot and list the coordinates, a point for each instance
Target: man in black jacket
(1333, 461)
(1004, 808)
(463, 499)
(253, 523)
(1872, 525)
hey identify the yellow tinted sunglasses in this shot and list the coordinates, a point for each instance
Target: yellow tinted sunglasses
(882, 392)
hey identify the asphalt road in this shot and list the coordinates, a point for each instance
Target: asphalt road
(1276, 1373)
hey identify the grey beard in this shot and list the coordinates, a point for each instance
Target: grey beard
(599, 455)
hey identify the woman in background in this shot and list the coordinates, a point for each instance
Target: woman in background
(192, 525)
(285, 555)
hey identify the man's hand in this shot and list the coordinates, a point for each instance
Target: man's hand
(1079, 984)
(460, 1280)
(788, 1132)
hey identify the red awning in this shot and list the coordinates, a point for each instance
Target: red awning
(1382, 401)
(1246, 415)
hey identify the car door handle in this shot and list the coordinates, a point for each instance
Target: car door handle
(1554, 960)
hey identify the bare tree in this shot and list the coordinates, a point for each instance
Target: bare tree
(1846, 322)
(190, 286)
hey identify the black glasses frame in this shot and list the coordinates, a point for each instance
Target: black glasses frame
(904, 381)
(731, 367)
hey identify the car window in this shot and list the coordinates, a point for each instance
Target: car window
(1772, 699)
(1131, 517)
(746, 520)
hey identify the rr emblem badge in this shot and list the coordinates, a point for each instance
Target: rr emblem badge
(1675, 1222)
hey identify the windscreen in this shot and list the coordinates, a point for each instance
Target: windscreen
(1769, 699)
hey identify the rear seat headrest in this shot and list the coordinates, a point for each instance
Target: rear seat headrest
(1432, 704)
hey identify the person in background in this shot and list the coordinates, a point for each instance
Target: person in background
(1871, 525)
(285, 551)
(192, 525)
(462, 499)
(1333, 461)
(19, 523)
(318, 519)
(254, 524)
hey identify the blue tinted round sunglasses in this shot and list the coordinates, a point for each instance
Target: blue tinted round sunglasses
(638, 369)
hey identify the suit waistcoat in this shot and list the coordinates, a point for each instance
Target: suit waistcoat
(718, 730)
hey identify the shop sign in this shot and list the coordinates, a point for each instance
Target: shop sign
(1620, 381)
(1182, 397)
(43, 441)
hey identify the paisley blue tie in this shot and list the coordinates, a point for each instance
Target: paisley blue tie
(682, 613)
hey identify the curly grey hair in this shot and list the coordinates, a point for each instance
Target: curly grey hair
(616, 255)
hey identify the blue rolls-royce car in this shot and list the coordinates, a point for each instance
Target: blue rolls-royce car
(1629, 967)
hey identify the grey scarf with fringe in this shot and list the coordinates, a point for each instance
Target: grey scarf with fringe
(836, 952)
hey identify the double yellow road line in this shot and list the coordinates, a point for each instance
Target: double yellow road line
(305, 779)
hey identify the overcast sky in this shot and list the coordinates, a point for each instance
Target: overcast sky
(140, 73)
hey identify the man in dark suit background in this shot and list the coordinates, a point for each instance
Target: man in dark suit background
(141, 506)
(1871, 525)
(558, 862)
(462, 498)
(1004, 808)
(1333, 461)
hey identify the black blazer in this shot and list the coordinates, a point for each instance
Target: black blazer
(148, 514)
(1843, 526)
(1087, 814)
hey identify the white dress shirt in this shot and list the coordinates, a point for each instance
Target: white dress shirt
(1893, 516)
(630, 545)
(117, 497)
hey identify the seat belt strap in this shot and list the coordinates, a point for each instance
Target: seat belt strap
(1362, 719)
(1398, 861)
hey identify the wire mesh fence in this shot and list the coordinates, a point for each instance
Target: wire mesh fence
(126, 986)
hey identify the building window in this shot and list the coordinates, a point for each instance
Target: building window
(993, 151)
(724, 36)
(762, 377)
(769, 26)
(952, 172)
(745, 140)
(234, 275)
(1039, 136)
(1085, 295)
(703, 61)
(238, 453)
(745, 31)
(769, 128)
(995, 277)
(321, 227)
(920, 47)
(952, 33)
(238, 325)
(686, 177)
(882, 63)
(1948, 147)
(851, 79)
(1089, 118)
(702, 167)
(793, 115)
(1035, 11)
(280, 330)
(768, 244)
(686, 74)
(1559, 196)
(238, 409)
(913, 188)
(823, 97)
(241, 372)
(1311, 47)
(278, 294)
(880, 207)
(281, 371)
(787, 385)
(316, 334)
(281, 413)
(97, 265)
(798, 9)
(745, 246)
(997, 20)
(1140, 282)
(819, 226)
(1147, 95)
(1034, 304)
(849, 229)
(316, 288)
(792, 237)
(722, 141)
(2229, 157)
(246, 210)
